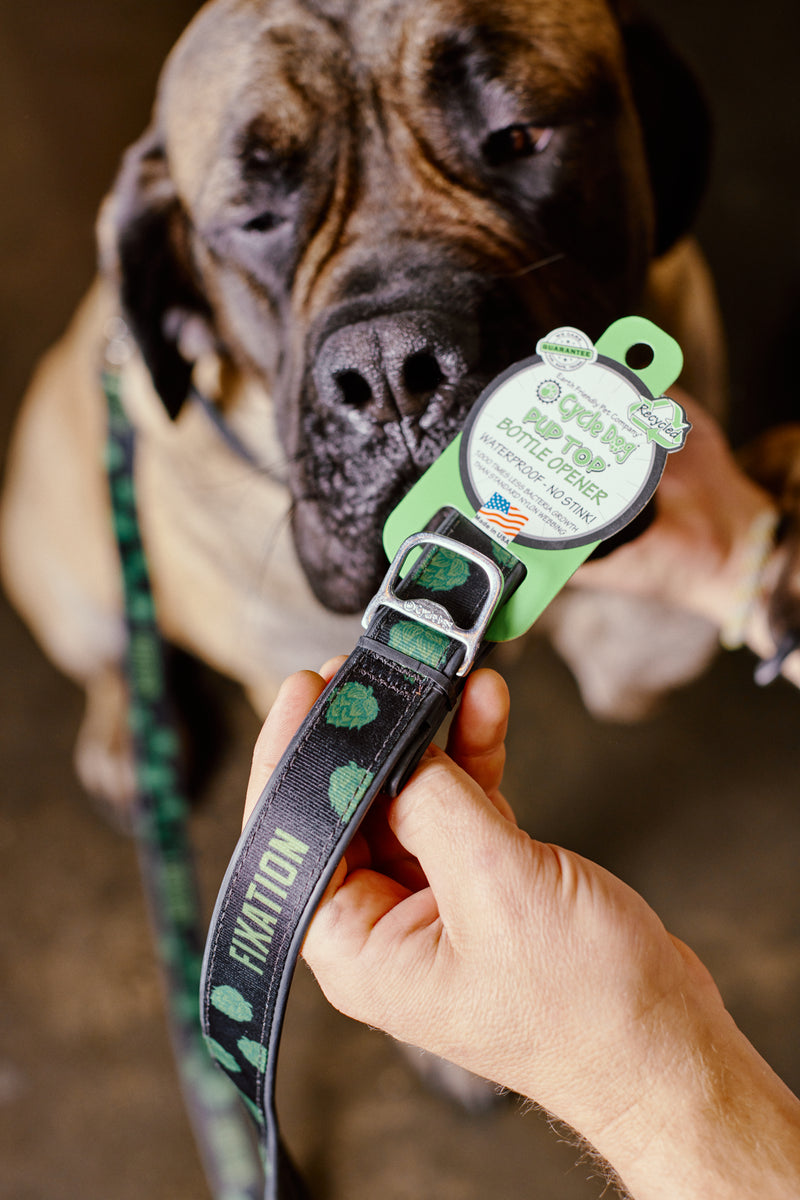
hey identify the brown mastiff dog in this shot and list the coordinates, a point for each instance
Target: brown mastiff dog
(345, 218)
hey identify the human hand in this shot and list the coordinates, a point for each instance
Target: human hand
(710, 547)
(450, 928)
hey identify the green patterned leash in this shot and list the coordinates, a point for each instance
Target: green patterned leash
(220, 1127)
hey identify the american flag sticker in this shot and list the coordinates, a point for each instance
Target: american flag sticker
(502, 516)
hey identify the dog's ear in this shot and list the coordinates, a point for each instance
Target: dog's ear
(143, 236)
(675, 124)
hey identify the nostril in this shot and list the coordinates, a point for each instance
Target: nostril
(354, 388)
(422, 374)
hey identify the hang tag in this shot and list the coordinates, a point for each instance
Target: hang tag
(559, 452)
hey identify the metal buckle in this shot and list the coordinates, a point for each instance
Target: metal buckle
(429, 612)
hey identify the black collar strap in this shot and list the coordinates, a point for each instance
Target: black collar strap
(364, 736)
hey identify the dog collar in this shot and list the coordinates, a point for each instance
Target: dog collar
(425, 631)
(364, 737)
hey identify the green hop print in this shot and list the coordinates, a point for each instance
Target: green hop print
(352, 706)
(227, 1000)
(443, 572)
(426, 645)
(346, 788)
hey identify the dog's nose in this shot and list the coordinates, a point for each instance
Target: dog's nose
(392, 366)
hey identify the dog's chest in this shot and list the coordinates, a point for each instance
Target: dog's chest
(227, 582)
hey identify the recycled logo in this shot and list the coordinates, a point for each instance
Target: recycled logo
(662, 421)
(352, 706)
(566, 349)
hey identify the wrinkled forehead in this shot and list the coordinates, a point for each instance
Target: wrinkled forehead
(242, 62)
(285, 66)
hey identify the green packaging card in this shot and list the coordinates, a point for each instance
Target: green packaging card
(559, 452)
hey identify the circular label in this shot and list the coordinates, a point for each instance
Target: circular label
(566, 349)
(555, 457)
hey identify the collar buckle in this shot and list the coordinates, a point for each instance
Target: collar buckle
(428, 612)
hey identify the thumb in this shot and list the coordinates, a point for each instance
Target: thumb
(296, 696)
(464, 845)
(445, 821)
(377, 948)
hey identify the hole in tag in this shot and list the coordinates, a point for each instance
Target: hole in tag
(639, 356)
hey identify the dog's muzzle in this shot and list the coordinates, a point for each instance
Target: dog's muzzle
(394, 366)
(385, 395)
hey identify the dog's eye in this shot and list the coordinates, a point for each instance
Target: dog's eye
(264, 223)
(256, 160)
(515, 142)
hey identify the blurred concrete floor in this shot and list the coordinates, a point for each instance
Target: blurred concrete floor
(697, 808)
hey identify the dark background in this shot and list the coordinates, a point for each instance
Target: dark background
(697, 808)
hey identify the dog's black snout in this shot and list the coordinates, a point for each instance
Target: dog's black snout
(354, 388)
(422, 374)
(410, 389)
(391, 366)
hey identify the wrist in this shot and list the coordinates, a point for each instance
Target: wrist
(729, 584)
(709, 1119)
(739, 587)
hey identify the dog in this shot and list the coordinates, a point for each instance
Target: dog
(345, 218)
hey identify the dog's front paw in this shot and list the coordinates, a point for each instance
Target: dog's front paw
(104, 753)
(773, 630)
(627, 652)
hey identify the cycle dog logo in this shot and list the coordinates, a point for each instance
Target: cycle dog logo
(548, 391)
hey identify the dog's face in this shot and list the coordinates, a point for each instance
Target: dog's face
(374, 206)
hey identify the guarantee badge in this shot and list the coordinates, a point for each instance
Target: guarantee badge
(565, 448)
